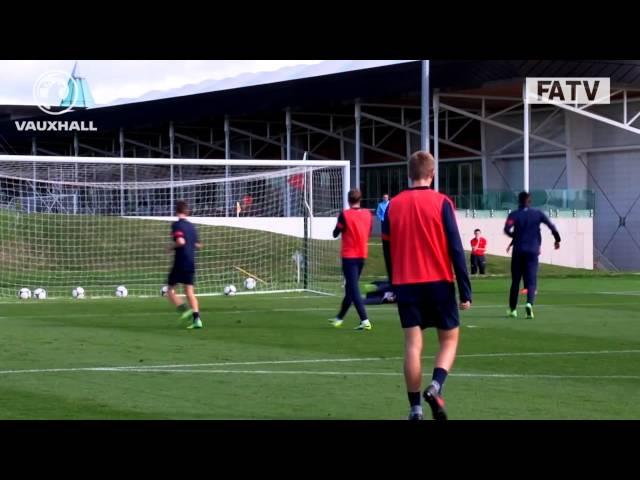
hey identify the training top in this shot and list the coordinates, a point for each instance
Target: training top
(481, 245)
(185, 256)
(523, 225)
(355, 226)
(422, 241)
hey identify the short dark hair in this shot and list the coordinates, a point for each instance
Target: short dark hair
(354, 196)
(182, 207)
(476, 230)
(421, 165)
(523, 198)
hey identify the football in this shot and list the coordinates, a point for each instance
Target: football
(77, 292)
(24, 293)
(164, 290)
(250, 283)
(230, 290)
(40, 294)
(122, 291)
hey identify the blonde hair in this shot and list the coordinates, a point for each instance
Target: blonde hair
(421, 165)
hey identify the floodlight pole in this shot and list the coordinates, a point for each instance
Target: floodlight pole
(358, 117)
(436, 140)
(424, 118)
(121, 138)
(288, 126)
(526, 137)
(172, 137)
(227, 154)
(425, 107)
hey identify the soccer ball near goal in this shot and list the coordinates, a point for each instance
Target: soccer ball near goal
(40, 294)
(164, 291)
(77, 292)
(230, 290)
(24, 293)
(122, 291)
(250, 283)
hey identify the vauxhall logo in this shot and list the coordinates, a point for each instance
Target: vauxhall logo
(573, 91)
(55, 93)
(55, 126)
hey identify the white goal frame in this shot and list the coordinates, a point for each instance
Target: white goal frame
(343, 165)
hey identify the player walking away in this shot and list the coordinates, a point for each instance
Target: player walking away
(523, 226)
(355, 226)
(186, 241)
(421, 241)
(478, 250)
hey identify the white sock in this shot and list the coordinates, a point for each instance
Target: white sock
(416, 409)
(365, 321)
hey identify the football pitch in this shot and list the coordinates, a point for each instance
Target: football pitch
(276, 357)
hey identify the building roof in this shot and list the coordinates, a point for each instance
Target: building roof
(400, 81)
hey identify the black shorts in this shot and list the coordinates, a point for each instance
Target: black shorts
(185, 277)
(428, 305)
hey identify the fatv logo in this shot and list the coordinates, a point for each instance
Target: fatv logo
(574, 91)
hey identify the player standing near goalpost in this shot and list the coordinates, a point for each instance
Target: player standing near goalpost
(355, 226)
(186, 241)
(421, 241)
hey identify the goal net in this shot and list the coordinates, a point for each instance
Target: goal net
(103, 222)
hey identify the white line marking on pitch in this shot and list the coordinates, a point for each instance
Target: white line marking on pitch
(636, 294)
(302, 361)
(372, 359)
(380, 374)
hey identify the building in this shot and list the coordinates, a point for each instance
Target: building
(488, 143)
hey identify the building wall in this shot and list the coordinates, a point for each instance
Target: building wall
(612, 175)
(614, 179)
(576, 247)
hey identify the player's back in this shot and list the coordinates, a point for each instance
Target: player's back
(355, 236)
(185, 255)
(419, 244)
(525, 222)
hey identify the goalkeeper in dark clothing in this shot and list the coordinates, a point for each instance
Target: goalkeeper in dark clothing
(523, 226)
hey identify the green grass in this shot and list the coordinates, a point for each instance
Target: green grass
(59, 252)
(506, 369)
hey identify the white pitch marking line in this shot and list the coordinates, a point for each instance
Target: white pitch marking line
(261, 372)
(303, 361)
(532, 354)
(374, 359)
(380, 374)
(635, 294)
(267, 362)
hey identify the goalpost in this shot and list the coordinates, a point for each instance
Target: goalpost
(101, 222)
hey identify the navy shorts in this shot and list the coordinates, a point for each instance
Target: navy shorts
(185, 277)
(427, 305)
